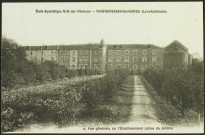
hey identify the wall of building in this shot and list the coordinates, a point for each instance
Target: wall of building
(108, 57)
(41, 55)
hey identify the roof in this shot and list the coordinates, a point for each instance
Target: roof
(142, 46)
(90, 46)
(176, 43)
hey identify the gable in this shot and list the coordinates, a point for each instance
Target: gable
(175, 44)
(175, 49)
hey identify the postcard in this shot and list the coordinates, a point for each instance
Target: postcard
(102, 67)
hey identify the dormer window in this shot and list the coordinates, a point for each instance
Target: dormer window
(135, 52)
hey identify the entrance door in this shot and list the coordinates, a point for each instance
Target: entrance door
(135, 69)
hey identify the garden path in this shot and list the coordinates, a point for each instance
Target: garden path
(142, 105)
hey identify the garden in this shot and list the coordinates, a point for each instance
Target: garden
(181, 87)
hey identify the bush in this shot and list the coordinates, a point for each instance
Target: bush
(57, 102)
(182, 86)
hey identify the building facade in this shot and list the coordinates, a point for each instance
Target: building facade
(106, 57)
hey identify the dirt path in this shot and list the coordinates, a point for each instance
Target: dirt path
(142, 105)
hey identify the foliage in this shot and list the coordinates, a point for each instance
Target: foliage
(58, 100)
(16, 69)
(181, 86)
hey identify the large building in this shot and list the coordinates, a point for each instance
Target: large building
(106, 57)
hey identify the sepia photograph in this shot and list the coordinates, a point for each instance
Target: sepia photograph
(102, 67)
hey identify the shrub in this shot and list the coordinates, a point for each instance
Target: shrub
(56, 102)
(182, 86)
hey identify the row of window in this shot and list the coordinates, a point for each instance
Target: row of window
(135, 52)
(110, 52)
(52, 52)
(135, 59)
(134, 67)
(111, 67)
(96, 59)
(42, 59)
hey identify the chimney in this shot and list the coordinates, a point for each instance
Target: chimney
(102, 42)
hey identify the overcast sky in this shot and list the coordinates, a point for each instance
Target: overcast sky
(182, 22)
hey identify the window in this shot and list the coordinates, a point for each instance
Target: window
(118, 52)
(154, 52)
(73, 52)
(81, 58)
(52, 58)
(96, 59)
(42, 53)
(110, 59)
(144, 52)
(126, 59)
(110, 67)
(73, 59)
(154, 59)
(81, 52)
(118, 66)
(66, 52)
(31, 53)
(41, 58)
(81, 66)
(86, 58)
(127, 66)
(73, 66)
(110, 52)
(96, 66)
(61, 52)
(96, 52)
(135, 52)
(86, 52)
(118, 59)
(135, 59)
(144, 66)
(134, 67)
(144, 59)
(126, 52)
(66, 58)
(86, 66)
(62, 58)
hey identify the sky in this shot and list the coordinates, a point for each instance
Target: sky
(183, 22)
